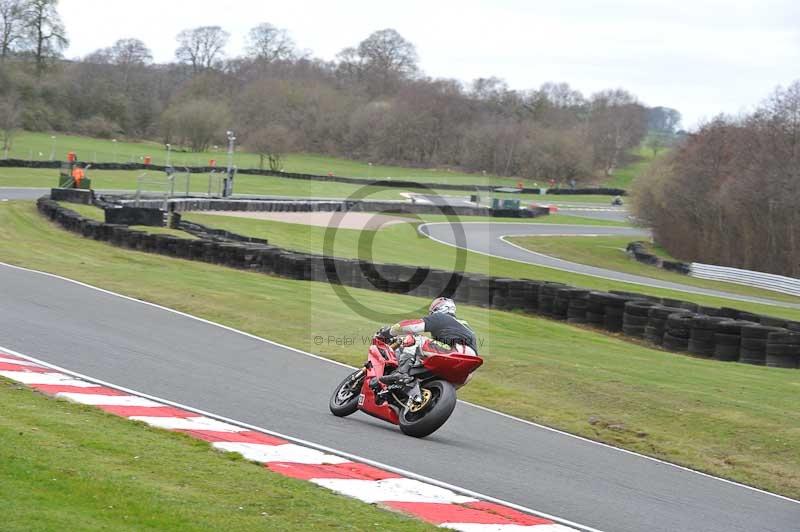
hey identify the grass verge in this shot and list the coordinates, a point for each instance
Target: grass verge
(392, 243)
(70, 467)
(733, 420)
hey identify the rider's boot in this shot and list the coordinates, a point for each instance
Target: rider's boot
(400, 375)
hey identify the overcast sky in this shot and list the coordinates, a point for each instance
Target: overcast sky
(701, 57)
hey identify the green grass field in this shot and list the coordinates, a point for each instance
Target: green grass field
(70, 467)
(609, 252)
(625, 175)
(40, 146)
(734, 420)
(257, 185)
(391, 245)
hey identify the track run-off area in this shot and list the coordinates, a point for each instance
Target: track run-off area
(212, 368)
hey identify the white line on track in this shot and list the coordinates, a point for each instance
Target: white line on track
(348, 455)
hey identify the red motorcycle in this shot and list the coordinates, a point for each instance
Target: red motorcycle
(421, 404)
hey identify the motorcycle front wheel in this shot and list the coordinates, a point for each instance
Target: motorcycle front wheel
(344, 400)
(439, 400)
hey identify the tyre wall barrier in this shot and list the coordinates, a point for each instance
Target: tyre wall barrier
(388, 207)
(637, 251)
(135, 216)
(72, 195)
(679, 326)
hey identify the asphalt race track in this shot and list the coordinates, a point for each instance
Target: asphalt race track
(487, 238)
(22, 193)
(204, 366)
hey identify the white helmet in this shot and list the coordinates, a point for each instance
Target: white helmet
(444, 305)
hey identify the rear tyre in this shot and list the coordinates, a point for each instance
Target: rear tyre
(344, 400)
(434, 412)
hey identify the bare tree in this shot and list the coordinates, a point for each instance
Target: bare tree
(616, 124)
(12, 24)
(382, 59)
(267, 43)
(195, 123)
(130, 52)
(271, 143)
(10, 117)
(663, 119)
(45, 31)
(202, 47)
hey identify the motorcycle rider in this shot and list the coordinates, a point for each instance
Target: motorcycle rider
(448, 335)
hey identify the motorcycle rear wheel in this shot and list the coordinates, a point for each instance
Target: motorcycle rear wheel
(344, 400)
(433, 415)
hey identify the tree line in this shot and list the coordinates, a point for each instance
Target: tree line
(372, 102)
(729, 194)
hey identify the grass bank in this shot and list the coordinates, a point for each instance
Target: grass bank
(392, 243)
(733, 420)
(70, 467)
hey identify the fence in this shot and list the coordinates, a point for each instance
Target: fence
(768, 281)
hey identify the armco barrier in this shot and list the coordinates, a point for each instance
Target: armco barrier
(768, 281)
(676, 325)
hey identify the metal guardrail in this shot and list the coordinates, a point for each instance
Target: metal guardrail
(769, 281)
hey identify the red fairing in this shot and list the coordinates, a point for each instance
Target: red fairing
(453, 367)
(366, 402)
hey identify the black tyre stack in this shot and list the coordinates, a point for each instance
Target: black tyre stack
(547, 297)
(677, 303)
(596, 308)
(754, 344)
(561, 303)
(500, 289)
(578, 304)
(769, 321)
(530, 295)
(679, 329)
(613, 312)
(636, 317)
(657, 323)
(702, 337)
(783, 349)
(728, 339)
(517, 294)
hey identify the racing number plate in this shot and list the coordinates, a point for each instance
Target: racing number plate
(361, 399)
